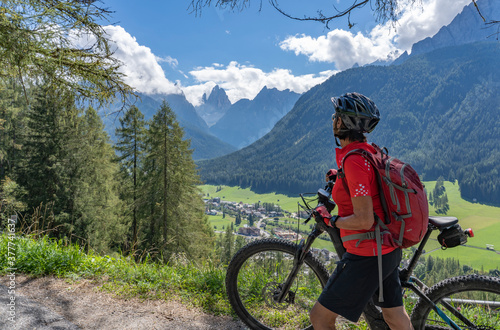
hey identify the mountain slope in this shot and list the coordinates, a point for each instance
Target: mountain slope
(248, 120)
(440, 112)
(466, 27)
(204, 144)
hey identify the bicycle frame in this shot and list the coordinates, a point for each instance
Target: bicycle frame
(373, 314)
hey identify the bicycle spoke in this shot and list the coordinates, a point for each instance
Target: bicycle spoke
(470, 310)
(260, 282)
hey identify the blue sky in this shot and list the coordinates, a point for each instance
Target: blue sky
(166, 49)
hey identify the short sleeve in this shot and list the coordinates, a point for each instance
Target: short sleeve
(359, 175)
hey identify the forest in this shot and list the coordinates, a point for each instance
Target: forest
(60, 172)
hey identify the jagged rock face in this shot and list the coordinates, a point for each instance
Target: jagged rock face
(248, 120)
(466, 27)
(214, 107)
(218, 98)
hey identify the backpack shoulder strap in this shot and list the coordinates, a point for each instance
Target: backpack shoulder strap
(369, 157)
(341, 173)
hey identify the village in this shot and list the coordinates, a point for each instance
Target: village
(262, 220)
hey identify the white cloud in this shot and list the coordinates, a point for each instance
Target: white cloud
(419, 23)
(345, 48)
(170, 60)
(140, 65)
(143, 72)
(341, 47)
(242, 81)
(195, 93)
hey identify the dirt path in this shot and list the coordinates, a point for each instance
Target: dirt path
(84, 306)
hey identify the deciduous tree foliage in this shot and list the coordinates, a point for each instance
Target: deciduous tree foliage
(59, 43)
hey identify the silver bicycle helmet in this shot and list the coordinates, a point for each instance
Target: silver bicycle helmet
(358, 112)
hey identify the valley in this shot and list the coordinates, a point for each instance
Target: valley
(481, 252)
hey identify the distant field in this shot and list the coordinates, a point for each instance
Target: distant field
(483, 219)
(237, 194)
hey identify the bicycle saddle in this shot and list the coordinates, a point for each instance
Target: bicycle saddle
(442, 222)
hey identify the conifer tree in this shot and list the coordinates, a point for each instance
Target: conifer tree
(228, 246)
(39, 41)
(177, 223)
(12, 121)
(96, 195)
(68, 163)
(45, 146)
(130, 147)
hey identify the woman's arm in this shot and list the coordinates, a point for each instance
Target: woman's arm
(362, 217)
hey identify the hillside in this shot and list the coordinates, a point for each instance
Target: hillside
(466, 27)
(204, 144)
(440, 112)
(248, 120)
(483, 219)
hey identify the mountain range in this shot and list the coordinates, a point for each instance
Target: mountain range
(440, 112)
(467, 27)
(214, 106)
(226, 134)
(246, 121)
(204, 144)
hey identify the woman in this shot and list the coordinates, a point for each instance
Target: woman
(356, 280)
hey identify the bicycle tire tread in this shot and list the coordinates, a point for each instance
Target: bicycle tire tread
(451, 286)
(249, 250)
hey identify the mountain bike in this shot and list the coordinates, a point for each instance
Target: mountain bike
(273, 283)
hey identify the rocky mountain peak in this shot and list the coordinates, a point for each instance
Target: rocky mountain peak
(466, 27)
(217, 98)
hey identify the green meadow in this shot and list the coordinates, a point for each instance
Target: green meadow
(483, 219)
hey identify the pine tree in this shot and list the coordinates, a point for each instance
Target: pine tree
(37, 43)
(130, 147)
(177, 223)
(68, 163)
(46, 137)
(96, 198)
(12, 122)
(250, 220)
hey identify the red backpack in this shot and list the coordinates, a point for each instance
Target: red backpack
(403, 199)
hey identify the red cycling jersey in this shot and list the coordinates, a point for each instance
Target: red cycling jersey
(362, 181)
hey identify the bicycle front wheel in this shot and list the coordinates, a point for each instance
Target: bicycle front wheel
(471, 302)
(255, 278)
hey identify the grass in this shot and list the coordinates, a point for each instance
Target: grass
(200, 285)
(218, 222)
(195, 284)
(237, 194)
(483, 219)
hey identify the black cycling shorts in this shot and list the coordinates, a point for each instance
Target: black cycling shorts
(355, 281)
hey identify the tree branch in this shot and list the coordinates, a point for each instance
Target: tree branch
(321, 17)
